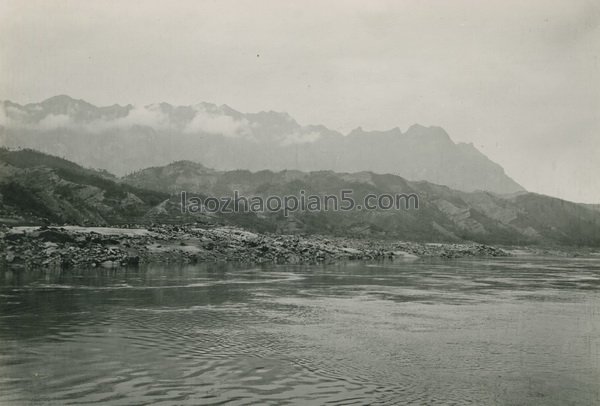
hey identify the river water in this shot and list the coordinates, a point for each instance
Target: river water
(511, 331)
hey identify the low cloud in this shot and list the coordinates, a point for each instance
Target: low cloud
(54, 121)
(204, 122)
(11, 117)
(3, 117)
(300, 138)
(150, 116)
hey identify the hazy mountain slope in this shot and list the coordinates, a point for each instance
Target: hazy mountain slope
(41, 188)
(444, 214)
(123, 139)
(558, 219)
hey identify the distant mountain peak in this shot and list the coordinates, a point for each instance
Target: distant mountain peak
(61, 98)
(64, 100)
(274, 116)
(417, 127)
(126, 139)
(360, 131)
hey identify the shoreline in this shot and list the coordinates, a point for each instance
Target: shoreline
(32, 247)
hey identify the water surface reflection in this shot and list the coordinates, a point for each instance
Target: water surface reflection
(503, 331)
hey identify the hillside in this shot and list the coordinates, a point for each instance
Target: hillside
(444, 214)
(38, 188)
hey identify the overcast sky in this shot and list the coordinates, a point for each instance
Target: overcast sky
(519, 79)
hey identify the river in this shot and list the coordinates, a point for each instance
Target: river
(509, 331)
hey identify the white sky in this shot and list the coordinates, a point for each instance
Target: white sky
(519, 79)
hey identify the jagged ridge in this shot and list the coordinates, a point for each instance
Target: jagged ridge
(123, 139)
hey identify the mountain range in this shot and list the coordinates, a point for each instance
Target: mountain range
(37, 187)
(124, 139)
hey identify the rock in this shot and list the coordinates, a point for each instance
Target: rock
(55, 236)
(183, 243)
(133, 260)
(404, 254)
(15, 236)
(10, 257)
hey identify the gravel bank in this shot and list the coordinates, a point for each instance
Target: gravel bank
(70, 246)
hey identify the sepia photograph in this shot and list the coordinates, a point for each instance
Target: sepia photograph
(277, 202)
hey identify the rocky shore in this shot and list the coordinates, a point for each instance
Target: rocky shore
(73, 246)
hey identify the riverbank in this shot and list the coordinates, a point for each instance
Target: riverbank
(73, 246)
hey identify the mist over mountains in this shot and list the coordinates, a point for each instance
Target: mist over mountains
(124, 139)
